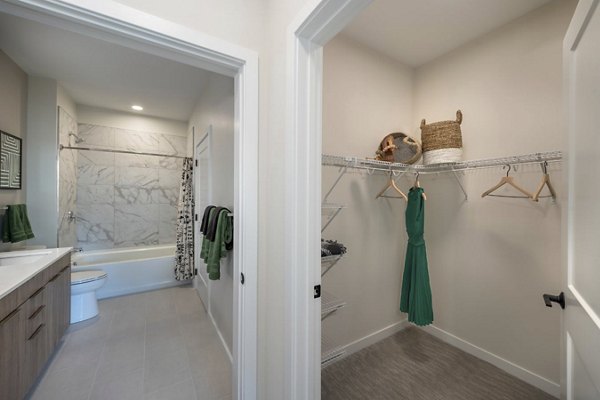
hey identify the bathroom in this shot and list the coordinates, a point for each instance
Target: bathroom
(105, 131)
(514, 282)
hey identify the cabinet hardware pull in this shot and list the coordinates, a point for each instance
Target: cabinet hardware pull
(40, 290)
(54, 278)
(36, 312)
(64, 269)
(9, 316)
(37, 331)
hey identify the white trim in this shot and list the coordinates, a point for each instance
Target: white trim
(523, 374)
(312, 28)
(126, 26)
(375, 337)
(223, 342)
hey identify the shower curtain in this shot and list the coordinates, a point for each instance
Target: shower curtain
(184, 254)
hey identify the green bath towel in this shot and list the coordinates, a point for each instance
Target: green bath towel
(15, 225)
(212, 252)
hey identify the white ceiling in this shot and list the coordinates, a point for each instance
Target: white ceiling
(102, 74)
(415, 32)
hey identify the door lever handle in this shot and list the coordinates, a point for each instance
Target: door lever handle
(560, 299)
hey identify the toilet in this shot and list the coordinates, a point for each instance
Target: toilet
(84, 304)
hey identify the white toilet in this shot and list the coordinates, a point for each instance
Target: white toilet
(84, 304)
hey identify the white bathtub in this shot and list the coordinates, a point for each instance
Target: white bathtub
(130, 270)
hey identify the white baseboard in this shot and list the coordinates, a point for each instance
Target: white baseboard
(223, 342)
(523, 374)
(374, 337)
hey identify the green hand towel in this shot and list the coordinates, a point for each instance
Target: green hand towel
(16, 226)
(206, 243)
(218, 248)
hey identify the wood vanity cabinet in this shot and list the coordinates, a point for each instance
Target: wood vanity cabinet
(33, 319)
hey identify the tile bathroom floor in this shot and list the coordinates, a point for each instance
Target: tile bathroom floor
(153, 345)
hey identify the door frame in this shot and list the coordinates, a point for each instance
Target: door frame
(116, 23)
(319, 22)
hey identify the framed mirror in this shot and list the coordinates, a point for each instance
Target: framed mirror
(11, 148)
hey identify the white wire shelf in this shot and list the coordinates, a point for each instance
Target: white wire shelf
(375, 165)
(330, 304)
(329, 211)
(328, 262)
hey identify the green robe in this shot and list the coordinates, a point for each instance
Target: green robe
(416, 292)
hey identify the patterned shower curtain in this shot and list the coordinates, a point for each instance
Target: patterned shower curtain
(184, 255)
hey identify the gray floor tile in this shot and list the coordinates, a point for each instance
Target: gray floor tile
(184, 390)
(165, 368)
(152, 345)
(124, 387)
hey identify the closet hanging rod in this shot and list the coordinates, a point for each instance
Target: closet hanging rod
(375, 165)
(139, 153)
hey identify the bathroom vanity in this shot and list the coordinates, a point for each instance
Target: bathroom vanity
(35, 290)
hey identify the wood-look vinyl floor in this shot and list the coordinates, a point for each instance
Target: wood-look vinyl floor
(414, 365)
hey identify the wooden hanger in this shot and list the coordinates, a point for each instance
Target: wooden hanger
(418, 185)
(391, 184)
(507, 180)
(545, 182)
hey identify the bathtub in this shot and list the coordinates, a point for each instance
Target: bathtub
(130, 270)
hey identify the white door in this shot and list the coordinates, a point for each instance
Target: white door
(202, 196)
(582, 313)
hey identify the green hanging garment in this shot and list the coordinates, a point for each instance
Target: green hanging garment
(416, 292)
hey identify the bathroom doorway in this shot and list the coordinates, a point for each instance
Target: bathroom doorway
(129, 30)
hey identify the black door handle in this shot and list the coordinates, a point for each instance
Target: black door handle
(560, 299)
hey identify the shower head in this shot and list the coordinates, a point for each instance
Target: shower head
(77, 138)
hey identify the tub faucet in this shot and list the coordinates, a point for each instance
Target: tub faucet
(77, 250)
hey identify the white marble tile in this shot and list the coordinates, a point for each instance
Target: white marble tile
(170, 163)
(167, 223)
(95, 213)
(171, 144)
(135, 160)
(96, 135)
(136, 224)
(133, 195)
(169, 178)
(135, 176)
(95, 235)
(165, 196)
(95, 194)
(95, 175)
(96, 158)
(136, 141)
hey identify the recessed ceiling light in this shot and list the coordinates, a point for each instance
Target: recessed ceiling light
(137, 108)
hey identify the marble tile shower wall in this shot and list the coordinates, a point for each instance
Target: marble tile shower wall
(67, 181)
(126, 200)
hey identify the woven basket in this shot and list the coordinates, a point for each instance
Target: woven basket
(442, 141)
(397, 147)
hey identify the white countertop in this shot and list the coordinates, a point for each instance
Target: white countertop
(14, 275)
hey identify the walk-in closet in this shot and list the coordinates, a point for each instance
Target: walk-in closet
(492, 217)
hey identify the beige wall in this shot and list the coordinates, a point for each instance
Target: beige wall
(41, 160)
(365, 97)
(490, 260)
(216, 108)
(13, 116)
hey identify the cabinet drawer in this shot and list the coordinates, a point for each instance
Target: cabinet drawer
(35, 310)
(36, 354)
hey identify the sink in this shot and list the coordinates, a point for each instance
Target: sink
(22, 259)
